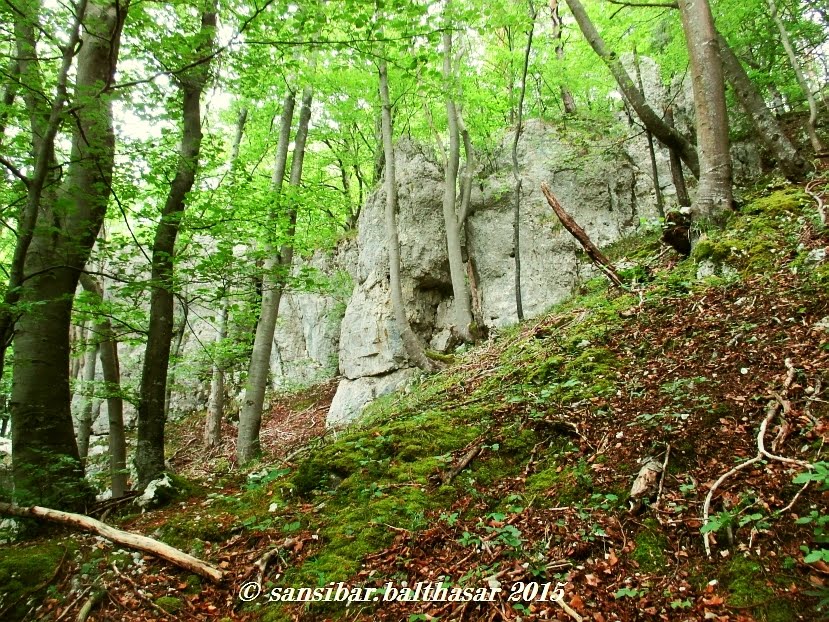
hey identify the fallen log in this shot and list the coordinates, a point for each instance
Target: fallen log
(124, 538)
(596, 256)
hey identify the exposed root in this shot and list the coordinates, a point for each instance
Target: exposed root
(771, 412)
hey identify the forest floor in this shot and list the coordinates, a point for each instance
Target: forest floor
(514, 466)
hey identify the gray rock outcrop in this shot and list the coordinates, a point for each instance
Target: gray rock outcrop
(602, 189)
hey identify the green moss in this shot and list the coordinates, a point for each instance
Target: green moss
(170, 604)
(757, 236)
(448, 359)
(191, 531)
(650, 548)
(747, 585)
(24, 572)
(562, 485)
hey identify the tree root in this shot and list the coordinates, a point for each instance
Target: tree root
(773, 408)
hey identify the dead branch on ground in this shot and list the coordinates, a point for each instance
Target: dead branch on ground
(124, 538)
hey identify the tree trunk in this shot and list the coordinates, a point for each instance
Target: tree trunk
(677, 176)
(277, 270)
(84, 427)
(77, 339)
(9, 94)
(411, 343)
(516, 220)
(149, 451)
(45, 123)
(111, 371)
(45, 456)
(714, 191)
(660, 203)
(667, 135)
(177, 339)
(790, 161)
(567, 99)
(216, 403)
(460, 289)
(817, 144)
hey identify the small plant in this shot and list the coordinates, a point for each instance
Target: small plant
(818, 519)
(451, 519)
(627, 592)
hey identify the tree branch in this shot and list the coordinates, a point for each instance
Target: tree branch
(124, 538)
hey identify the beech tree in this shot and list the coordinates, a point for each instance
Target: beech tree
(149, 451)
(668, 135)
(411, 343)
(453, 217)
(56, 231)
(216, 400)
(277, 270)
(714, 193)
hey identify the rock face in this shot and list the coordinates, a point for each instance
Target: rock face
(342, 323)
(603, 192)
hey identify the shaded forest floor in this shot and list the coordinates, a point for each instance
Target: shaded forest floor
(515, 464)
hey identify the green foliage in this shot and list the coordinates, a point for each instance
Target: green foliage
(819, 520)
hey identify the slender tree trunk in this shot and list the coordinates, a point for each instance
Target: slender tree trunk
(77, 339)
(677, 176)
(177, 339)
(45, 456)
(277, 270)
(216, 403)
(790, 161)
(149, 451)
(516, 220)
(667, 135)
(817, 144)
(111, 371)
(714, 191)
(660, 203)
(411, 343)
(460, 289)
(468, 170)
(84, 428)
(567, 99)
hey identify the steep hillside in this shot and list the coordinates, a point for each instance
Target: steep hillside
(516, 464)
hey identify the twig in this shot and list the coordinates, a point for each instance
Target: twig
(94, 598)
(662, 478)
(821, 208)
(794, 499)
(468, 457)
(263, 562)
(598, 257)
(771, 411)
(761, 444)
(73, 603)
(558, 598)
(138, 593)
(706, 537)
